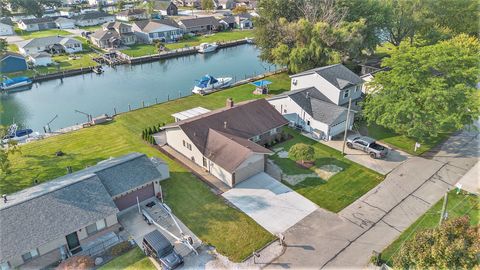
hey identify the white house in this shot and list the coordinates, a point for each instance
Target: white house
(6, 27)
(37, 24)
(93, 18)
(40, 59)
(132, 15)
(57, 44)
(65, 23)
(228, 142)
(335, 82)
(165, 30)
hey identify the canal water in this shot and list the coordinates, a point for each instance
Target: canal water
(127, 84)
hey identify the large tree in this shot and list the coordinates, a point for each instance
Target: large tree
(34, 7)
(207, 5)
(454, 245)
(428, 89)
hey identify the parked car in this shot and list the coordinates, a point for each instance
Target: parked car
(156, 245)
(367, 145)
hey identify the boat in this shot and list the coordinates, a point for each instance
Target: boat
(18, 135)
(250, 40)
(208, 84)
(97, 69)
(12, 83)
(207, 47)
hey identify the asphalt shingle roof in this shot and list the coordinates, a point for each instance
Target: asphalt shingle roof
(196, 22)
(152, 25)
(45, 41)
(6, 21)
(91, 16)
(338, 75)
(38, 20)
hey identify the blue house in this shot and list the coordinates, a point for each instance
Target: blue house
(12, 62)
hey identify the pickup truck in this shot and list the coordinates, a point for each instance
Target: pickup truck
(367, 145)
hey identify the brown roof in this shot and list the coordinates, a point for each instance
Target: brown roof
(223, 135)
(131, 12)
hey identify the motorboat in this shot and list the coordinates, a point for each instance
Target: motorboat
(12, 83)
(207, 47)
(18, 135)
(97, 69)
(208, 84)
(250, 40)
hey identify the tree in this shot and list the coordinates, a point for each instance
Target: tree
(35, 7)
(429, 90)
(6, 150)
(150, 5)
(3, 45)
(240, 10)
(100, 6)
(120, 4)
(301, 152)
(207, 5)
(454, 245)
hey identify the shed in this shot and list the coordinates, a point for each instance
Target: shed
(12, 62)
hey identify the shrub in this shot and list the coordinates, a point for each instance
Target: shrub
(120, 248)
(301, 152)
(77, 263)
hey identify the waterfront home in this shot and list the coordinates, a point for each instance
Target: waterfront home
(65, 23)
(243, 21)
(37, 24)
(228, 142)
(93, 18)
(6, 27)
(228, 22)
(69, 215)
(40, 59)
(53, 44)
(113, 35)
(165, 30)
(132, 15)
(199, 25)
(12, 62)
(166, 8)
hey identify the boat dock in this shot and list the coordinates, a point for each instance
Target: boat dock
(61, 74)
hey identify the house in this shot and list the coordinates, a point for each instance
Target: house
(225, 4)
(93, 18)
(244, 21)
(6, 27)
(228, 22)
(113, 35)
(335, 82)
(37, 24)
(68, 215)
(40, 59)
(132, 15)
(199, 25)
(166, 8)
(228, 142)
(189, 3)
(95, 3)
(165, 30)
(65, 23)
(55, 44)
(12, 62)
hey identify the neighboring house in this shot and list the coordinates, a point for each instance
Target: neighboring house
(132, 15)
(199, 24)
(165, 30)
(94, 3)
(166, 8)
(65, 23)
(40, 59)
(93, 18)
(228, 22)
(228, 142)
(6, 27)
(12, 62)
(312, 111)
(244, 21)
(113, 35)
(335, 82)
(189, 3)
(37, 24)
(72, 213)
(225, 4)
(54, 44)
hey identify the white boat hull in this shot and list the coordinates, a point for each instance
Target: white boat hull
(222, 83)
(20, 84)
(208, 48)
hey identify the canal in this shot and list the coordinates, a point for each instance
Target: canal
(123, 86)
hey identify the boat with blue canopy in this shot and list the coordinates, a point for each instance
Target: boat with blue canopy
(208, 84)
(12, 83)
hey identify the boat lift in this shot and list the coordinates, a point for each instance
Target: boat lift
(47, 128)
(89, 116)
(185, 239)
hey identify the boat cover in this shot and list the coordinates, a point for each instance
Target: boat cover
(12, 81)
(206, 81)
(261, 83)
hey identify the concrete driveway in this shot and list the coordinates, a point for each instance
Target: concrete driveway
(270, 203)
(382, 166)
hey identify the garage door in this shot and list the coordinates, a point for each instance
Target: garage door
(131, 198)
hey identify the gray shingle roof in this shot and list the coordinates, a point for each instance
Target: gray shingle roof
(91, 16)
(151, 25)
(338, 75)
(6, 21)
(38, 20)
(45, 41)
(131, 12)
(196, 22)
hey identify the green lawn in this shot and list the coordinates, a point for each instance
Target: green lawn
(135, 259)
(12, 48)
(341, 189)
(403, 142)
(43, 33)
(91, 28)
(457, 205)
(148, 49)
(232, 232)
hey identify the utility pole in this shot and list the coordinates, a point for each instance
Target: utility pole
(346, 126)
(444, 208)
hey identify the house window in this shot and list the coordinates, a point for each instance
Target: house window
(95, 227)
(346, 93)
(284, 110)
(30, 255)
(183, 143)
(5, 266)
(189, 146)
(204, 162)
(308, 122)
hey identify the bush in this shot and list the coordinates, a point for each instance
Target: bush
(77, 263)
(302, 152)
(120, 248)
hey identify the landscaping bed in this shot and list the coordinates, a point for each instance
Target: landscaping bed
(333, 183)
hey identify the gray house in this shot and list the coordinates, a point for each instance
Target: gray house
(199, 25)
(37, 24)
(165, 30)
(113, 35)
(69, 215)
(93, 18)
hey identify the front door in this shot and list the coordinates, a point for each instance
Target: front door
(73, 243)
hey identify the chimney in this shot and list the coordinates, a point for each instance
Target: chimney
(229, 102)
(225, 125)
(4, 196)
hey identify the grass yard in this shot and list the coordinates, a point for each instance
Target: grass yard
(43, 33)
(457, 205)
(135, 259)
(91, 28)
(403, 142)
(337, 192)
(148, 49)
(232, 232)
(12, 48)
